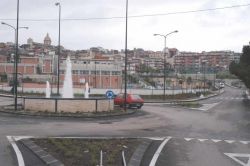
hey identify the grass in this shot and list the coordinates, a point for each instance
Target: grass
(87, 151)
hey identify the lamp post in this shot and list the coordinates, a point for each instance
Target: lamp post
(126, 55)
(204, 75)
(59, 49)
(15, 69)
(164, 66)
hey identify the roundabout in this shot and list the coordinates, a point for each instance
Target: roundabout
(222, 129)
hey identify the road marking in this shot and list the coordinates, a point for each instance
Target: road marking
(206, 107)
(229, 141)
(234, 155)
(215, 140)
(18, 138)
(202, 140)
(156, 138)
(157, 153)
(245, 142)
(17, 151)
(188, 139)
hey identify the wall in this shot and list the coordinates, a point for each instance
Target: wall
(68, 105)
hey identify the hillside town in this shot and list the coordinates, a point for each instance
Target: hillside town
(103, 68)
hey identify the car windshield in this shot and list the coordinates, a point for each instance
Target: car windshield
(136, 97)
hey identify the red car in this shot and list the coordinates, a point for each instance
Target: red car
(131, 101)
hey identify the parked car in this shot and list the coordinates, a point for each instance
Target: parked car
(132, 100)
(222, 85)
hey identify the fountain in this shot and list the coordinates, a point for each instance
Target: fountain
(47, 89)
(67, 84)
(67, 103)
(86, 93)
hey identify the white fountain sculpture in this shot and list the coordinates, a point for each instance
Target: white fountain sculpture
(67, 84)
(47, 89)
(86, 93)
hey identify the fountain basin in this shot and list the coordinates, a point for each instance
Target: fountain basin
(72, 105)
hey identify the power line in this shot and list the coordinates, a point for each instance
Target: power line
(133, 16)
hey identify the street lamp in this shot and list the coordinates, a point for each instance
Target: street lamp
(164, 67)
(59, 49)
(204, 74)
(126, 56)
(15, 67)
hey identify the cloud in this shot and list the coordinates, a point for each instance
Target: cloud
(213, 30)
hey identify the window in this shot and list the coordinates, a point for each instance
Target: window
(105, 72)
(116, 73)
(75, 72)
(84, 72)
(95, 72)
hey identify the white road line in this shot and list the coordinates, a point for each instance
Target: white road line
(234, 155)
(156, 138)
(17, 138)
(215, 140)
(188, 139)
(157, 153)
(17, 151)
(202, 140)
(245, 142)
(229, 141)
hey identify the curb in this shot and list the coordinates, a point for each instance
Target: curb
(137, 156)
(232, 86)
(40, 153)
(22, 113)
(190, 100)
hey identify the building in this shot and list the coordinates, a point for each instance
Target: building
(98, 73)
(213, 61)
(47, 40)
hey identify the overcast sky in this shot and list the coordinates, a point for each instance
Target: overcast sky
(227, 29)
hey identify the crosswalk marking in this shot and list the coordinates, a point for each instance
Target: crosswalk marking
(218, 140)
(229, 98)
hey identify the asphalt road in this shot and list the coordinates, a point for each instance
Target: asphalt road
(213, 135)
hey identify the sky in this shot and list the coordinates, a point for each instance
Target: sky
(227, 29)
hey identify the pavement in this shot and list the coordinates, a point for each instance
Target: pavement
(217, 136)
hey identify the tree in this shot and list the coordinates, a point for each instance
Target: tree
(242, 69)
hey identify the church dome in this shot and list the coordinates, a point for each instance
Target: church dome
(47, 40)
(30, 41)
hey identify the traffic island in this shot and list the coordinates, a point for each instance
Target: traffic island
(88, 151)
(117, 112)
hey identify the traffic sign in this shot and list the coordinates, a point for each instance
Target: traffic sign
(109, 94)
